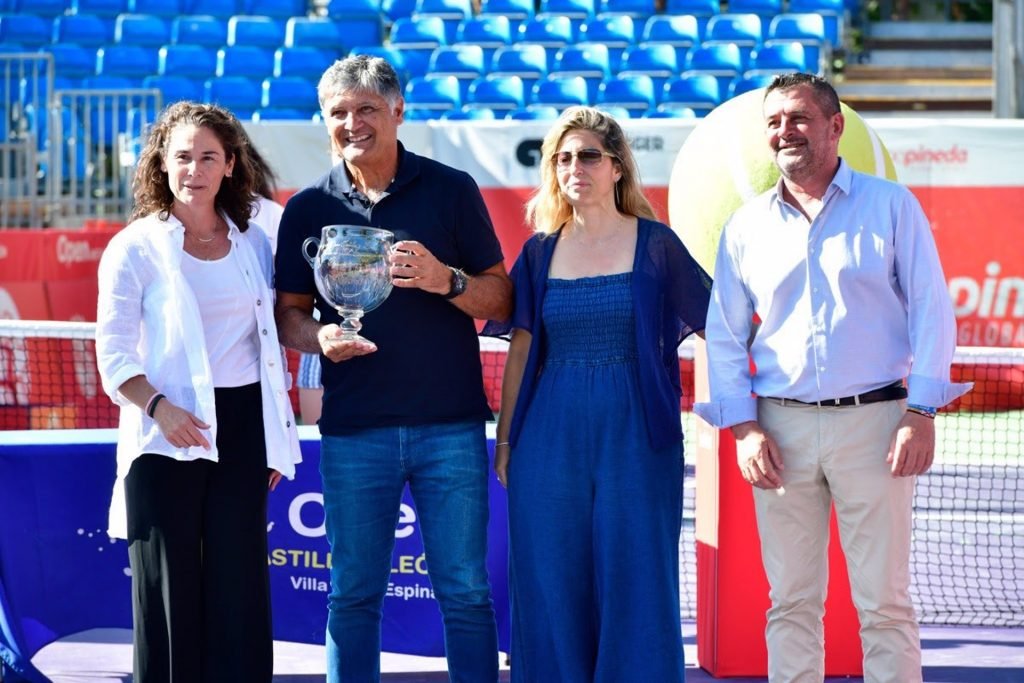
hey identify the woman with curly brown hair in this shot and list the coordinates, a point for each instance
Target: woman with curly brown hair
(187, 346)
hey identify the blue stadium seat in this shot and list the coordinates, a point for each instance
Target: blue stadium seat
(289, 92)
(489, 32)
(168, 9)
(249, 61)
(414, 113)
(258, 31)
(587, 60)
(655, 60)
(451, 12)
(474, 114)
(638, 10)
(224, 9)
(833, 12)
(671, 113)
(128, 61)
(778, 58)
(429, 92)
(142, 29)
(360, 21)
(27, 29)
(104, 8)
(40, 8)
(527, 61)
(617, 112)
(417, 38)
(766, 9)
(174, 88)
(277, 9)
(199, 29)
(86, 30)
(806, 29)
(497, 92)
(616, 31)
(345, 9)
(241, 95)
(680, 32)
(193, 61)
(306, 32)
(516, 11)
(703, 10)
(464, 62)
(392, 56)
(304, 62)
(72, 61)
(560, 92)
(700, 92)
(578, 11)
(746, 83)
(105, 82)
(723, 61)
(550, 32)
(634, 93)
(742, 30)
(394, 10)
(535, 112)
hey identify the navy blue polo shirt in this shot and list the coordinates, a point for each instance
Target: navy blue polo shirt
(427, 365)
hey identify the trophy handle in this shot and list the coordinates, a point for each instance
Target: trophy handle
(305, 250)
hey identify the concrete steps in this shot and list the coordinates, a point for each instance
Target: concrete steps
(921, 66)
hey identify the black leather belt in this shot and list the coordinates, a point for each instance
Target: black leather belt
(892, 392)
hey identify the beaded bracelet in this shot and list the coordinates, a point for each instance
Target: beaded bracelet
(151, 404)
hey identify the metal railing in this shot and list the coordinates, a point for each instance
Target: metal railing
(67, 155)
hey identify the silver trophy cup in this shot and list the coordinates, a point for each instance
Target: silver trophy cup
(350, 269)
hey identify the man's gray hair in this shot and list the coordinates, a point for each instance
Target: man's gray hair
(361, 73)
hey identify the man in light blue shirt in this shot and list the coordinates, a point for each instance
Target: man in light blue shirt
(841, 271)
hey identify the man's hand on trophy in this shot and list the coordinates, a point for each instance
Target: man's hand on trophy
(412, 265)
(336, 349)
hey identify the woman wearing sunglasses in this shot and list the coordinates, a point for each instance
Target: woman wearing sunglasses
(589, 439)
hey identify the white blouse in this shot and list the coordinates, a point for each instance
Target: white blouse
(148, 323)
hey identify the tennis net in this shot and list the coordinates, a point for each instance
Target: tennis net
(967, 559)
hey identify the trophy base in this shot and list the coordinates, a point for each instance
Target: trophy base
(353, 337)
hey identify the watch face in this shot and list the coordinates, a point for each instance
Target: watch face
(459, 281)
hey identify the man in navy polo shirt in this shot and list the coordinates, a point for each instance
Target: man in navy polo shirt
(408, 407)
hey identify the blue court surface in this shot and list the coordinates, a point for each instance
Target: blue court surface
(951, 655)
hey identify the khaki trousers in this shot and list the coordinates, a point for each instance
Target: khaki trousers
(837, 455)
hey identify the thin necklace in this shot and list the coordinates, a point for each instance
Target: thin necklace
(208, 239)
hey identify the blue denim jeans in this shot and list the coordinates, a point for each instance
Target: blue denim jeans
(364, 473)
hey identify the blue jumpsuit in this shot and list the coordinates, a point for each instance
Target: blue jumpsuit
(594, 512)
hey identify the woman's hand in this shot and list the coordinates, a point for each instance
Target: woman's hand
(181, 428)
(274, 478)
(501, 457)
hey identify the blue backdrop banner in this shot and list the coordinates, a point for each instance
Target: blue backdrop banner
(60, 573)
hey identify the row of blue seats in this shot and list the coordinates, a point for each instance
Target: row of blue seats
(152, 31)
(165, 8)
(489, 31)
(417, 38)
(635, 93)
(463, 60)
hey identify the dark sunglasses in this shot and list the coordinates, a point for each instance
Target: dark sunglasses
(587, 157)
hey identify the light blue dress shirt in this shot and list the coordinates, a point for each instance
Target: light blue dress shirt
(849, 302)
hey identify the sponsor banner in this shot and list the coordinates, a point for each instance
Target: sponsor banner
(62, 574)
(50, 254)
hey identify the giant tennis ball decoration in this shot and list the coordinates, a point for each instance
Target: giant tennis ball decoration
(725, 161)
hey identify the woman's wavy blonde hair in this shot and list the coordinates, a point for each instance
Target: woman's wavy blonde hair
(237, 193)
(548, 210)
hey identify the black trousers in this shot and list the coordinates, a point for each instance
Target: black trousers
(197, 545)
